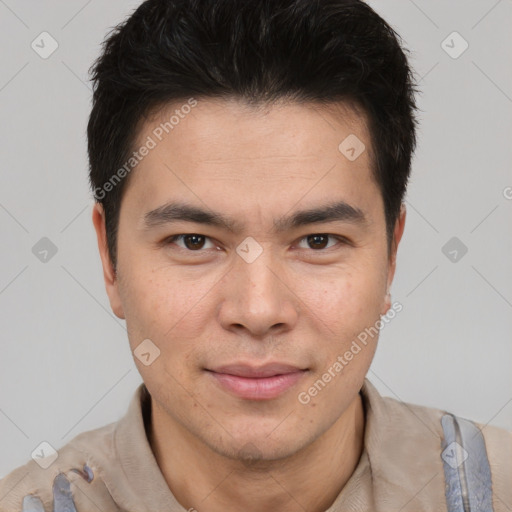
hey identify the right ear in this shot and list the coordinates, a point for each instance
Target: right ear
(109, 273)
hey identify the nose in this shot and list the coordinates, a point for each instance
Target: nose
(257, 298)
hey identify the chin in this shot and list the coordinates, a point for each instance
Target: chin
(258, 449)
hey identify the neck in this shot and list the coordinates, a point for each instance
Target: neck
(204, 480)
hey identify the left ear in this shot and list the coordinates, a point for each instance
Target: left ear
(397, 236)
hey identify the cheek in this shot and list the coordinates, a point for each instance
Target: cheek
(169, 310)
(349, 300)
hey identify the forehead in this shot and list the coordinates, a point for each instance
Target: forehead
(218, 127)
(228, 148)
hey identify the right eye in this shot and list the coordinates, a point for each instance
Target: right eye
(190, 241)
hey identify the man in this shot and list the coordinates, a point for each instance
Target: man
(249, 162)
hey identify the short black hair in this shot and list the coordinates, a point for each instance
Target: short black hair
(260, 51)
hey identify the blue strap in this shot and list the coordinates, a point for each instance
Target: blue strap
(466, 466)
(62, 496)
(32, 503)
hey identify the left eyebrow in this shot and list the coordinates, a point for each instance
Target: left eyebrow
(339, 211)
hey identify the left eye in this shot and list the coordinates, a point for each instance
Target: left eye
(318, 241)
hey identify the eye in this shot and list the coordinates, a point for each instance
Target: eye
(319, 241)
(191, 241)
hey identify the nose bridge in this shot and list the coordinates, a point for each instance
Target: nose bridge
(256, 297)
(258, 278)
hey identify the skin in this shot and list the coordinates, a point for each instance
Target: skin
(296, 303)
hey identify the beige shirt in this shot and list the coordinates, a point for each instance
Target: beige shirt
(400, 469)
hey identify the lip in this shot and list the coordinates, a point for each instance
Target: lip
(257, 383)
(246, 370)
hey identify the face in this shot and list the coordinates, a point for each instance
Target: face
(268, 262)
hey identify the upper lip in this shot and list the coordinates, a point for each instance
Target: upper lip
(267, 370)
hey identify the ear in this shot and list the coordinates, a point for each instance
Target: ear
(397, 236)
(109, 273)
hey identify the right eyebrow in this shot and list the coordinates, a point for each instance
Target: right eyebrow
(171, 212)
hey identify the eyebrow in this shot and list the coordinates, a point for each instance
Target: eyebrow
(171, 212)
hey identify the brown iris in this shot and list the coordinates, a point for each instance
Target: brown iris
(194, 241)
(318, 241)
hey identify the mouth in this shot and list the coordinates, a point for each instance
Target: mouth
(257, 383)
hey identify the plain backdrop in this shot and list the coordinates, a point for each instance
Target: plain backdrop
(65, 362)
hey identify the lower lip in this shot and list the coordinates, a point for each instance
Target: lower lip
(263, 388)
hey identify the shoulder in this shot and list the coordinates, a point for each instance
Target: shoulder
(439, 442)
(498, 444)
(53, 474)
(497, 441)
(396, 415)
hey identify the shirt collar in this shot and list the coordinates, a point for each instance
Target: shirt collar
(138, 463)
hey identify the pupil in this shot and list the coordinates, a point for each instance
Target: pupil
(318, 241)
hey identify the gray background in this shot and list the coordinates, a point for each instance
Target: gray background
(65, 363)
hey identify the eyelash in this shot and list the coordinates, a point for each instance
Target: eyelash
(342, 241)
